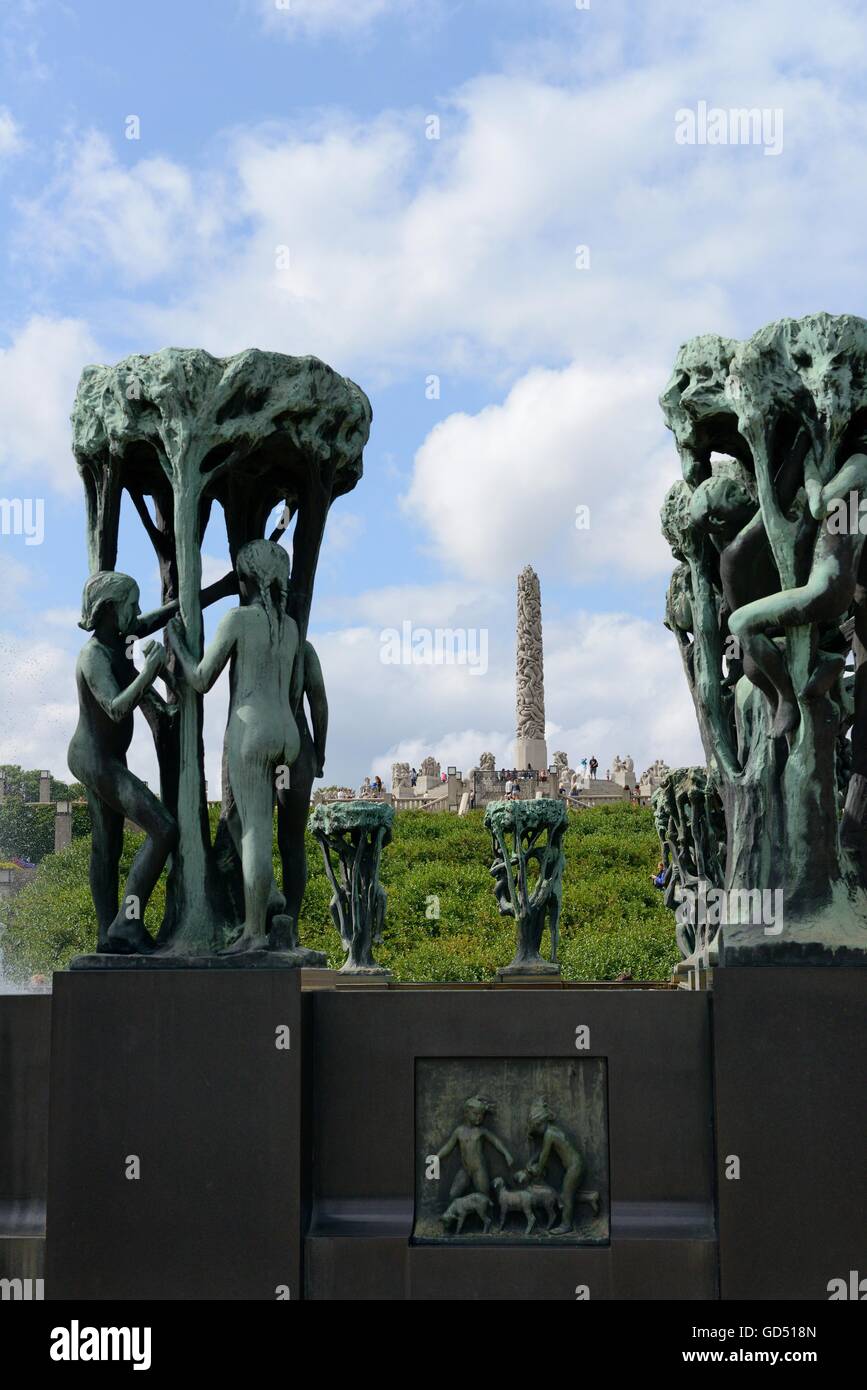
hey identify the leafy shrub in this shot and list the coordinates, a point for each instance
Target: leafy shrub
(442, 921)
(25, 830)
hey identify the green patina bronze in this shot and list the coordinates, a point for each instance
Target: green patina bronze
(179, 430)
(511, 1149)
(767, 597)
(690, 823)
(355, 834)
(527, 843)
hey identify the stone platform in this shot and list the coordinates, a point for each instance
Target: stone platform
(167, 960)
(264, 1170)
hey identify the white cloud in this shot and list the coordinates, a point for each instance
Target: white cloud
(293, 19)
(508, 480)
(37, 702)
(613, 684)
(456, 256)
(66, 618)
(39, 372)
(214, 568)
(344, 529)
(145, 219)
(446, 604)
(14, 578)
(409, 256)
(11, 141)
(605, 674)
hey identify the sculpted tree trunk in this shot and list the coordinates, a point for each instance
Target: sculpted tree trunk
(772, 436)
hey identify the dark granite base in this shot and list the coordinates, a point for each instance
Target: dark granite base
(254, 1157)
(244, 960)
(366, 1106)
(383, 1268)
(790, 1062)
(793, 953)
(189, 1072)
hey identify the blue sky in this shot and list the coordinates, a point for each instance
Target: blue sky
(305, 127)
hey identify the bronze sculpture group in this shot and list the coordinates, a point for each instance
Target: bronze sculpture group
(179, 431)
(769, 604)
(473, 1192)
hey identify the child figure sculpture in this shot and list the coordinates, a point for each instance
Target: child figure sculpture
(260, 641)
(109, 690)
(541, 1127)
(470, 1138)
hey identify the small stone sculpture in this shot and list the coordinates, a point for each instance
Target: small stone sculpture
(487, 762)
(355, 833)
(653, 777)
(690, 822)
(527, 839)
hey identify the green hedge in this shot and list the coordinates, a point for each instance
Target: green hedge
(613, 919)
(26, 831)
(27, 781)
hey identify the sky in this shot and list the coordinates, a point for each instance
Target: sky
(485, 212)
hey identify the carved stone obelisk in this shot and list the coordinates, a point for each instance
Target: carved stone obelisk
(530, 749)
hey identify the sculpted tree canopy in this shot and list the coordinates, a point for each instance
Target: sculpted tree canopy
(766, 524)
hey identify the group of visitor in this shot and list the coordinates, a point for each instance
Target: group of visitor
(513, 786)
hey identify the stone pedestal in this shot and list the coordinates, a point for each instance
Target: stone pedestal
(790, 1058)
(25, 1032)
(531, 752)
(371, 1148)
(192, 1080)
(62, 827)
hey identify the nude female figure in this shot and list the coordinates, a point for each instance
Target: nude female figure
(109, 690)
(259, 641)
